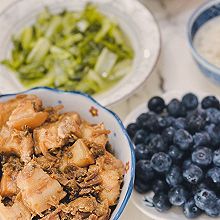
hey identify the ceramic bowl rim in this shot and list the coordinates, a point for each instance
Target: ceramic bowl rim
(131, 146)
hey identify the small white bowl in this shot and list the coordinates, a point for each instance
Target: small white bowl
(136, 21)
(144, 201)
(93, 112)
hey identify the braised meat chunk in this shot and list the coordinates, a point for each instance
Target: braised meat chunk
(16, 142)
(57, 134)
(39, 191)
(55, 166)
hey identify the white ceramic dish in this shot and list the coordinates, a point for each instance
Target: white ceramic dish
(93, 112)
(144, 201)
(136, 21)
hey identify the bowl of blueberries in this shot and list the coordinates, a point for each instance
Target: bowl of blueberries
(177, 149)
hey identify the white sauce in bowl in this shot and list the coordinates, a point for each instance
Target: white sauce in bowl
(207, 41)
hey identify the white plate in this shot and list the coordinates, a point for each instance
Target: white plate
(136, 21)
(144, 201)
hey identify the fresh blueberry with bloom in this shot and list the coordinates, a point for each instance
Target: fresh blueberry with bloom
(183, 139)
(144, 171)
(213, 115)
(174, 176)
(193, 174)
(190, 101)
(178, 195)
(210, 102)
(214, 133)
(156, 104)
(201, 139)
(214, 174)
(202, 156)
(141, 119)
(175, 153)
(142, 152)
(161, 202)
(190, 209)
(160, 186)
(139, 136)
(158, 143)
(176, 109)
(213, 209)
(216, 157)
(195, 122)
(162, 123)
(132, 129)
(205, 197)
(141, 186)
(179, 123)
(161, 162)
(168, 134)
(186, 164)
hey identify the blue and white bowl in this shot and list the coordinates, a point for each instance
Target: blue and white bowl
(204, 13)
(93, 112)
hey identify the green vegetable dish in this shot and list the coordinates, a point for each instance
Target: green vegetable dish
(83, 51)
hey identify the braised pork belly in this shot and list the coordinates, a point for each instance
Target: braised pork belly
(54, 166)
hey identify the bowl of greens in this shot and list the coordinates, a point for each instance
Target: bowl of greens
(105, 48)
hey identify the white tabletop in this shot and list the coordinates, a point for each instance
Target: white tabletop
(175, 69)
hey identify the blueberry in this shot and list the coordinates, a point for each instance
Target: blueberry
(162, 122)
(210, 102)
(168, 134)
(161, 162)
(195, 122)
(139, 136)
(213, 115)
(144, 170)
(175, 153)
(169, 120)
(204, 197)
(214, 174)
(160, 186)
(142, 152)
(132, 129)
(214, 133)
(161, 202)
(190, 101)
(174, 176)
(149, 137)
(178, 195)
(151, 123)
(186, 164)
(183, 139)
(141, 186)
(201, 139)
(141, 119)
(156, 104)
(179, 123)
(190, 209)
(176, 109)
(202, 156)
(193, 174)
(216, 157)
(158, 143)
(213, 209)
